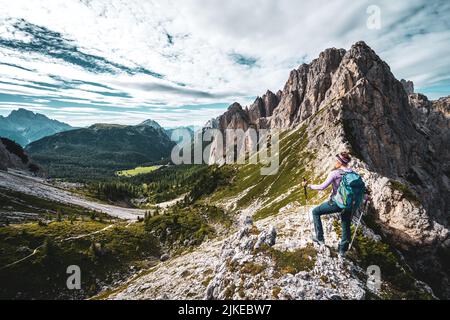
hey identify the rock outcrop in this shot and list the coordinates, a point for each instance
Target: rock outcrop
(263, 108)
(267, 259)
(250, 268)
(408, 86)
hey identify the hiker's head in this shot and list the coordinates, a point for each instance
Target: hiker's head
(343, 160)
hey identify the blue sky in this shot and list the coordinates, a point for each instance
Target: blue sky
(183, 62)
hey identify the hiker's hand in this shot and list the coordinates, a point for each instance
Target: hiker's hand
(305, 183)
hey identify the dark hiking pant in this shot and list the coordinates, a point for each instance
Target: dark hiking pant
(331, 207)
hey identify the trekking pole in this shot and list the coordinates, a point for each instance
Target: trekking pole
(305, 189)
(358, 225)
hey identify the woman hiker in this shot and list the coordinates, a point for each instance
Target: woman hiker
(334, 178)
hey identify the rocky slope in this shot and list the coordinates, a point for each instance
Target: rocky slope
(230, 268)
(12, 156)
(270, 259)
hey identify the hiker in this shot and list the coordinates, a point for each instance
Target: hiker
(346, 197)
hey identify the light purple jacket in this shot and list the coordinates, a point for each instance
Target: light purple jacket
(334, 178)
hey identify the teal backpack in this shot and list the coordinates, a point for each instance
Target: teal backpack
(350, 193)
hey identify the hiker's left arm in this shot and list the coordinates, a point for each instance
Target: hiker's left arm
(324, 185)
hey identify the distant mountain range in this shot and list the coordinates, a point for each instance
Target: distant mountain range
(169, 131)
(93, 152)
(100, 150)
(24, 126)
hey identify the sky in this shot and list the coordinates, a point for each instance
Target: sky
(183, 62)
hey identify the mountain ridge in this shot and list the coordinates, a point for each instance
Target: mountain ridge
(100, 150)
(24, 126)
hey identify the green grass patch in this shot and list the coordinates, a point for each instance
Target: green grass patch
(293, 262)
(102, 257)
(276, 292)
(252, 268)
(186, 225)
(137, 171)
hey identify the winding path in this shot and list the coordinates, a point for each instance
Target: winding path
(35, 251)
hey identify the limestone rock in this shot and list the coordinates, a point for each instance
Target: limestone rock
(165, 257)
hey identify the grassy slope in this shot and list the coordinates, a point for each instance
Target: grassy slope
(275, 191)
(44, 275)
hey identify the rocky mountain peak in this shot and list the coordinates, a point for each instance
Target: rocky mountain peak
(312, 86)
(151, 123)
(22, 113)
(24, 116)
(263, 107)
(350, 100)
(24, 126)
(235, 117)
(235, 107)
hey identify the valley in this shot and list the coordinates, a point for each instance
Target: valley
(47, 225)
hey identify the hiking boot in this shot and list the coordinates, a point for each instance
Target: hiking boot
(316, 240)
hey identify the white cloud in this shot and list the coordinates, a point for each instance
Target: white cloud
(190, 43)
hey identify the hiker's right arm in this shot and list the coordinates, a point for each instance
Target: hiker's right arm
(324, 185)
